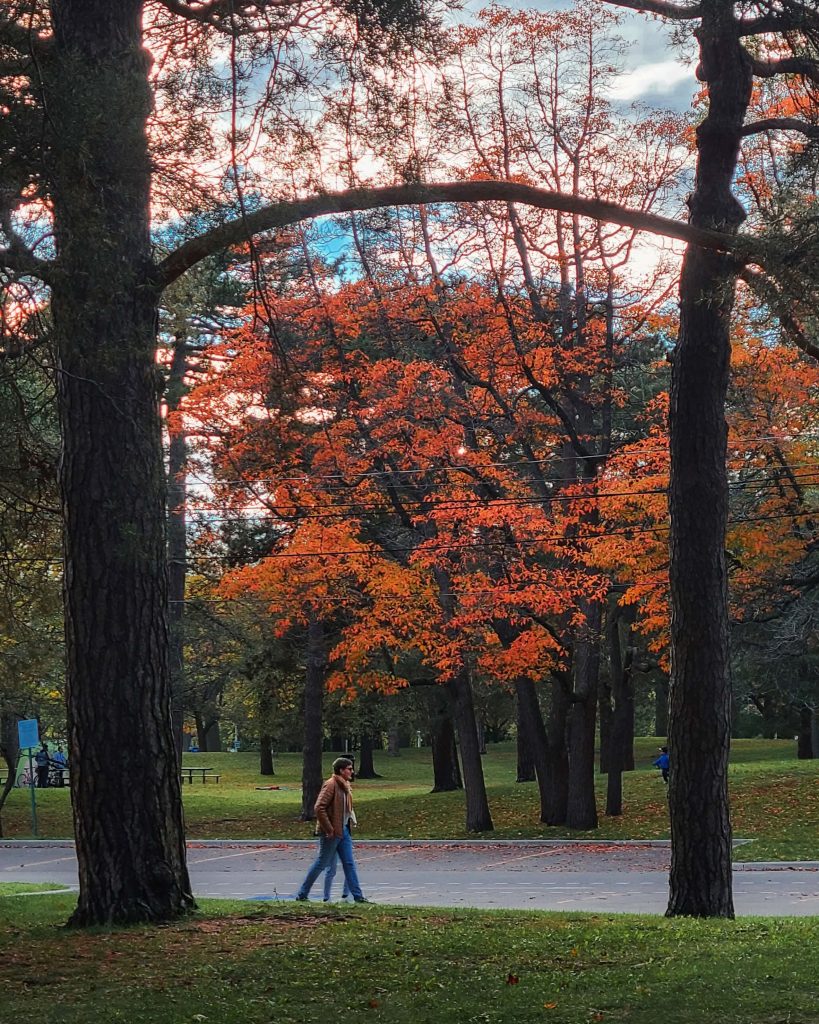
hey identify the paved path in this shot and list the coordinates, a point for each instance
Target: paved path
(589, 876)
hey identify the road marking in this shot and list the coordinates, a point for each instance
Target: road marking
(224, 856)
(382, 856)
(38, 863)
(512, 860)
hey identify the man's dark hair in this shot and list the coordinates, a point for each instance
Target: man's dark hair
(341, 763)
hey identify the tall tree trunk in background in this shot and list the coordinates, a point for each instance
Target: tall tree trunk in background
(213, 737)
(394, 742)
(804, 740)
(446, 771)
(661, 706)
(177, 536)
(604, 708)
(10, 753)
(700, 706)
(814, 733)
(621, 658)
(365, 769)
(530, 719)
(128, 825)
(478, 818)
(266, 755)
(581, 806)
(526, 760)
(558, 770)
(316, 667)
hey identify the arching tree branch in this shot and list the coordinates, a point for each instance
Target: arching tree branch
(782, 124)
(290, 212)
(675, 12)
(21, 261)
(803, 66)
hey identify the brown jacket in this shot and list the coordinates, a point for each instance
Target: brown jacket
(330, 806)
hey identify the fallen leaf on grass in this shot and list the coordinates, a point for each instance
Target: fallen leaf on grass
(512, 979)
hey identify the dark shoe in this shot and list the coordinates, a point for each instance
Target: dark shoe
(362, 899)
(301, 899)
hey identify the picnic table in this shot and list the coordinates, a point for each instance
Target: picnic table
(188, 771)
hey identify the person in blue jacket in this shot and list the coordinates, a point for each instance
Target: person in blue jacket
(662, 763)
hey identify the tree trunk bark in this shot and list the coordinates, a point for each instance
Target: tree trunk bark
(558, 771)
(661, 707)
(446, 771)
(266, 755)
(605, 712)
(394, 743)
(526, 760)
(365, 769)
(128, 824)
(581, 806)
(621, 750)
(213, 737)
(10, 752)
(177, 538)
(478, 818)
(530, 720)
(804, 740)
(700, 706)
(814, 733)
(311, 773)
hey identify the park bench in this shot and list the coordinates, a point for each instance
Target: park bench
(205, 774)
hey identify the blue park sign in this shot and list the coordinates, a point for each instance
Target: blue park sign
(28, 733)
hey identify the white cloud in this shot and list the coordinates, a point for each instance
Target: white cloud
(658, 79)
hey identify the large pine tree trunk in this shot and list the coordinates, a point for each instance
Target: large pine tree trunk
(700, 706)
(127, 809)
(316, 666)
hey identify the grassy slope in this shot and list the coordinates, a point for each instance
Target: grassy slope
(294, 965)
(775, 801)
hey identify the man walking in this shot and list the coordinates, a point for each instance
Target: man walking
(334, 809)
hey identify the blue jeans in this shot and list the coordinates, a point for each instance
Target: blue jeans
(329, 849)
(329, 878)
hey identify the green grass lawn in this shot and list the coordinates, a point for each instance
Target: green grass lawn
(293, 965)
(775, 801)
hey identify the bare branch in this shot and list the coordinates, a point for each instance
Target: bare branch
(218, 13)
(781, 124)
(21, 261)
(792, 17)
(802, 66)
(676, 12)
(291, 212)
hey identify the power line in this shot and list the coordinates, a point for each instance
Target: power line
(466, 468)
(298, 513)
(477, 546)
